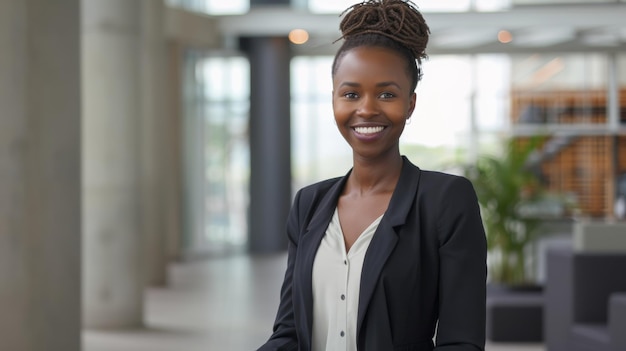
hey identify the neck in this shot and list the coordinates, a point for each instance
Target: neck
(374, 176)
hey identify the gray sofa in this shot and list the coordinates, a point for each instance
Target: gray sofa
(585, 301)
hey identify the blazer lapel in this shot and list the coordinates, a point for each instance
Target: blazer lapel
(310, 242)
(385, 239)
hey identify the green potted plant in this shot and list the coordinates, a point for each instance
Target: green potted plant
(507, 191)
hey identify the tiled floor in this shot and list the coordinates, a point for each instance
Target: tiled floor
(218, 304)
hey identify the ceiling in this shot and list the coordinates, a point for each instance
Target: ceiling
(544, 28)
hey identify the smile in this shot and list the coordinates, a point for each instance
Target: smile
(368, 130)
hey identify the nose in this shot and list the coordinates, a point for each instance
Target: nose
(368, 107)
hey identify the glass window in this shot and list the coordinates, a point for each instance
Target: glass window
(442, 110)
(492, 82)
(213, 7)
(216, 152)
(564, 71)
(318, 149)
(557, 89)
(329, 6)
(550, 2)
(492, 5)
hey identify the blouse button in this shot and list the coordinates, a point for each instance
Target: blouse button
(345, 262)
(342, 334)
(343, 297)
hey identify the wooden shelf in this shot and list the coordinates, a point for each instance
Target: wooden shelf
(587, 165)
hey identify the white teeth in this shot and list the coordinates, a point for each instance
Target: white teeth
(369, 130)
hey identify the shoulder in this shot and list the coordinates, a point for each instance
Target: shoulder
(436, 181)
(445, 193)
(317, 189)
(309, 197)
(445, 181)
(433, 186)
(307, 201)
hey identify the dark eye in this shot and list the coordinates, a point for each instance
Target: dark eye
(350, 95)
(387, 95)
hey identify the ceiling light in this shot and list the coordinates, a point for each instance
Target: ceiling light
(504, 36)
(298, 36)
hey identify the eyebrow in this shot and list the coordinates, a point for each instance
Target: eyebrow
(381, 84)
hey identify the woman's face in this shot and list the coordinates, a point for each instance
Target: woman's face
(372, 99)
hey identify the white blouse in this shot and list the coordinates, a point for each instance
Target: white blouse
(336, 284)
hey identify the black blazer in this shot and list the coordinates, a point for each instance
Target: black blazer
(425, 265)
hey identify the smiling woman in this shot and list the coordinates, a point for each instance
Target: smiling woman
(382, 256)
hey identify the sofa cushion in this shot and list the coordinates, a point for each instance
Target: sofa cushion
(617, 320)
(590, 337)
(599, 237)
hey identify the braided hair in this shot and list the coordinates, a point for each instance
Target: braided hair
(392, 24)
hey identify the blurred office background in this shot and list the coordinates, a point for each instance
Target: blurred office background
(149, 149)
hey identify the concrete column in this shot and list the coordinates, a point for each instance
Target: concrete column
(112, 252)
(40, 175)
(154, 145)
(173, 153)
(270, 142)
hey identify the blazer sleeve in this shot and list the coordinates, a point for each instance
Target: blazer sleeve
(284, 337)
(462, 269)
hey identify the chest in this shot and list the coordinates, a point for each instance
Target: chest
(356, 214)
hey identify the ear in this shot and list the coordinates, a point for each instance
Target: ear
(412, 100)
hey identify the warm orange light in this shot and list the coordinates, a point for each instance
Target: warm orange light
(298, 36)
(504, 36)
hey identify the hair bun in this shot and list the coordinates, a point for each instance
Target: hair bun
(398, 20)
